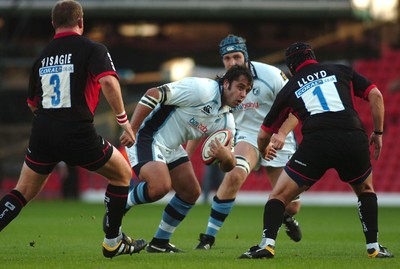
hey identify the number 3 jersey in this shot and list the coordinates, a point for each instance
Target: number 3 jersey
(321, 96)
(64, 79)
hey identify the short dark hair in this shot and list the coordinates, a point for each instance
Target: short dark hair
(66, 13)
(235, 72)
(298, 53)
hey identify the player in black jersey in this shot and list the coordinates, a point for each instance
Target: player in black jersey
(321, 96)
(64, 90)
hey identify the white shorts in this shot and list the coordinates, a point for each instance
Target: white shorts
(283, 155)
(153, 152)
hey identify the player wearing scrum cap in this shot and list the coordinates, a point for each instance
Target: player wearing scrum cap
(249, 115)
(321, 96)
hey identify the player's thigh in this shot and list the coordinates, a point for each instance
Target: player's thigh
(286, 189)
(273, 174)
(30, 183)
(365, 186)
(116, 169)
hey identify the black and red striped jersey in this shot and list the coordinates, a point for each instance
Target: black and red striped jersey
(64, 79)
(321, 96)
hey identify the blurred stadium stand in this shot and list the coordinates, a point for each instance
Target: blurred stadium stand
(204, 9)
(143, 35)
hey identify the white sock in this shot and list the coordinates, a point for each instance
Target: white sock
(112, 242)
(373, 245)
(266, 241)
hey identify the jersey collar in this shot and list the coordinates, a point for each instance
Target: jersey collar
(252, 70)
(64, 34)
(305, 63)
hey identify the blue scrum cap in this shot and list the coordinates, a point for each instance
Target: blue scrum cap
(233, 43)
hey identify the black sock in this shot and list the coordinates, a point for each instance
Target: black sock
(368, 213)
(115, 202)
(273, 216)
(10, 206)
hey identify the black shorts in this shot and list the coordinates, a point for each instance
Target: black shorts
(75, 143)
(345, 151)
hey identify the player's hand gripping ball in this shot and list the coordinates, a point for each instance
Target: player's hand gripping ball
(224, 136)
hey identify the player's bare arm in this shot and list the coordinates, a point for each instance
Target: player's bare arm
(224, 154)
(377, 107)
(146, 104)
(112, 92)
(278, 139)
(265, 146)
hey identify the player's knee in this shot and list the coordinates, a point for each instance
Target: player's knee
(159, 190)
(196, 193)
(235, 180)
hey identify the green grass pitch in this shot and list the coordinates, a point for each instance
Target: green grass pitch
(68, 234)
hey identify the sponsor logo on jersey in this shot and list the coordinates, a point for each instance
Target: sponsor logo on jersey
(56, 69)
(207, 109)
(246, 106)
(313, 84)
(198, 125)
(256, 91)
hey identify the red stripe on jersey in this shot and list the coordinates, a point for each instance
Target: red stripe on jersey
(65, 34)
(34, 102)
(93, 87)
(306, 63)
(92, 93)
(353, 99)
(365, 96)
(108, 73)
(269, 130)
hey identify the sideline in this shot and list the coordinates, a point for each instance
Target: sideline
(259, 198)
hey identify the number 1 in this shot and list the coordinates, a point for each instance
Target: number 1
(318, 92)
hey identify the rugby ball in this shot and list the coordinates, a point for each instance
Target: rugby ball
(224, 137)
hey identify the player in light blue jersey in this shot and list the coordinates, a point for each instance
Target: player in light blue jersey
(167, 117)
(249, 115)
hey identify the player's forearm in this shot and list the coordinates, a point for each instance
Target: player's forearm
(228, 163)
(288, 125)
(263, 140)
(377, 109)
(146, 104)
(112, 92)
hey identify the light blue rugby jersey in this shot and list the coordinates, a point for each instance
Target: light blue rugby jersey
(192, 110)
(249, 115)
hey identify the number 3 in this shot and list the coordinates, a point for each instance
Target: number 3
(55, 82)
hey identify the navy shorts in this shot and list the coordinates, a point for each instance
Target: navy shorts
(75, 143)
(345, 151)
